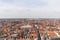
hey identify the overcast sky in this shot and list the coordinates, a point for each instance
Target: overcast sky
(29, 8)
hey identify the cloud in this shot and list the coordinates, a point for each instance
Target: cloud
(30, 9)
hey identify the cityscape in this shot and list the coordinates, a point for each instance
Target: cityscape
(26, 29)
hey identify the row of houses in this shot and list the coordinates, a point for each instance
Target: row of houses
(11, 28)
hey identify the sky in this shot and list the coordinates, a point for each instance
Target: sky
(29, 8)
